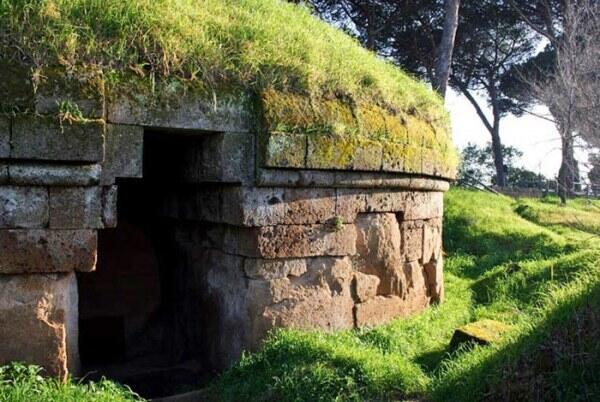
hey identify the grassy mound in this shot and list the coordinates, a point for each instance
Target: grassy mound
(299, 73)
(541, 282)
(237, 44)
(20, 383)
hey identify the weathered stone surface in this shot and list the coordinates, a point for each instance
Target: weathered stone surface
(250, 206)
(432, 240)
(40, 174)
(347, 179)
(378, 242)
(39, 322)
(123, 152)
(4, 137)
(482, 332)
(109, 206)
(76, 207)
(349, 203)
(82, 88)
(329, 152)
(43, 138)
(386, 201)
(321, 298)
(412, 240)
(423, 205)
(3, 173)
(368, 157)
(23, 207)
(219, 114)
(258, 268)
(289, 241)
(37, 251)
(434, 279)
(378, 310)
(366, 286)
(219, 157)
(285, 150)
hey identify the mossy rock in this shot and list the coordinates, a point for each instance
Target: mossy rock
(482, 332)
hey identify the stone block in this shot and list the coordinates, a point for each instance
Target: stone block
(123, 152)
(46, 174)
(76, 207)
(218, 157)
(386, 201)
(325, 288)
(424, 205)
(368, 156)
(258, 268)
(109, 206)
(379, 310)
(4, 137)
(309, 206)
(47, 251)
(290, 241)
(251, 206)
(434, 279)
(393, 160)
(432, 240)
(378, 242)
(82, 88)
(365, 286)
(329, 152)
(482, 332)
(283, 150)
(45, 138)
(39, 322)
(223, 114)
(349, 203)
(23, 207)
(412, 240)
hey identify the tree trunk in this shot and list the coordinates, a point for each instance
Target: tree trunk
(498, 156)
(446, 47)
(566, 173)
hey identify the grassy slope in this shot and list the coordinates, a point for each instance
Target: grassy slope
(233, 44)
(499, 266)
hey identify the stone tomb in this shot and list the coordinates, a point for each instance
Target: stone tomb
(182, 234)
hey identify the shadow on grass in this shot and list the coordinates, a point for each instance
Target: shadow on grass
(557, 360)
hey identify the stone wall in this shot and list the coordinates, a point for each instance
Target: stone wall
(265, 243)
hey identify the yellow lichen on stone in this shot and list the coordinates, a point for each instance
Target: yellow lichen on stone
(482, 332)
(285, 150)
(363, 136)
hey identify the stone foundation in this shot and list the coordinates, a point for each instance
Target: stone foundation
(227, 232)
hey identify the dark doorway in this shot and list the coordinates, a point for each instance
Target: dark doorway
(140, 312)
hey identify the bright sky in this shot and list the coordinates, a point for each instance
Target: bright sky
(536, 138)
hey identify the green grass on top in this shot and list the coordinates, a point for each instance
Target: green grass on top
(212, 44)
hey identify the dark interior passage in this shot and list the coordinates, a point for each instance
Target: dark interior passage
(140, 311)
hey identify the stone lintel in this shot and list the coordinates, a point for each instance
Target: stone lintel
(191, 113)
(123, 152)
(45, 138)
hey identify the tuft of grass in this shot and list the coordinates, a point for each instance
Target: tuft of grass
(23, 383)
